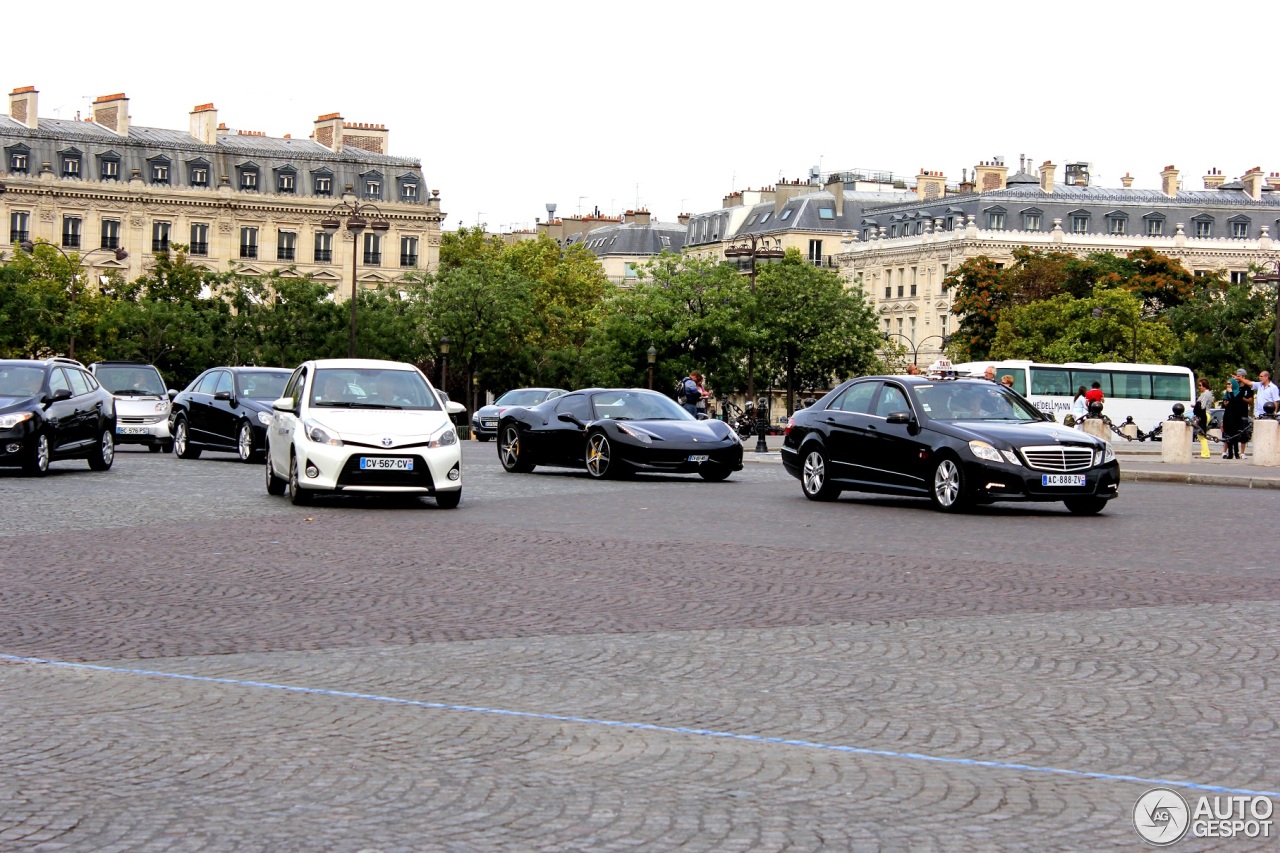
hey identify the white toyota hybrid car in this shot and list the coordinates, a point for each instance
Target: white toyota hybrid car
(361, 425)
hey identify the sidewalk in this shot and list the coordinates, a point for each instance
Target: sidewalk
(1140, 462)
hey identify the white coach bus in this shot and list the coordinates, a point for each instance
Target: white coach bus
(1146, 392)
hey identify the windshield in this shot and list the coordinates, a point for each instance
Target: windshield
(261, 385)
(973, 401)
(131, 380)
(522, 397)
(637, 406)
(20, 381)
(372, 388)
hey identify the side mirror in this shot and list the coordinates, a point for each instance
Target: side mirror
(455, 408)
(284, 404)
(569, 419)
(173, 392)
(1052, 417)
(60, 394)
(222, 395)
(899, 418)
(702, 416)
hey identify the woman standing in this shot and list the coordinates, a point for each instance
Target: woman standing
(1234, 411)
(1079, 407)
(1204, 403)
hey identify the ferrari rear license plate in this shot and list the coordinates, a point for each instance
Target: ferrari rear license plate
(1062, 479)
(698, 458)
(379, 463)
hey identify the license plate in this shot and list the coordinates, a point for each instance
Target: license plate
(1062, 479)
(488, 424)
(699, 458)
(123, 430)
(381, 463)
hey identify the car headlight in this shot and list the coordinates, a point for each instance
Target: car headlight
(264, 418)
(982, 450)
(11, 421)
(162, 406)
(1012, 457)
(638, 434)
(1107, 454)
(445, 439)
(320, 434)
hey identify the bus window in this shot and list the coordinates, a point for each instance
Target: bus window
(1088, 377)
(1171, 386)
(1051, 382)
(1135, 386)
(1019, 378)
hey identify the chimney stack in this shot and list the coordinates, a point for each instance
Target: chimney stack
(638, 217)
(1046, 176)
(112, 112)
(328, 131)
(204, 124)
(930, 185)
(990, 175)
(22, 106)
(1252, 181)
(1273, 181)
(1127, 180)
(835, 186)
(367, 137)
(1214, 179)
(1169, 181)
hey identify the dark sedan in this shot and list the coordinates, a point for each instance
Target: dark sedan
(484, 423)
(614, 432)
(54, 409)
(957, 441)
(226, 409)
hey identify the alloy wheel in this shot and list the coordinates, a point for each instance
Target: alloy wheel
(598, 455)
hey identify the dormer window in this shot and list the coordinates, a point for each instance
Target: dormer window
(408, 189)
(371, 185)
(1239, 226)
(109, 167)
(1203, 226)
(19, 159)
(995, 219)
(1080, 222)
(322, 182)
(248, 174)
(70, 163)
(159, 167)
(1117, 222)
(286, 180)
(1031, 219)
(199, 173)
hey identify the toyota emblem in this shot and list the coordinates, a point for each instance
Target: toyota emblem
(386, 442)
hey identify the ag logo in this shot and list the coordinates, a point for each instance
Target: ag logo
(1161, 816)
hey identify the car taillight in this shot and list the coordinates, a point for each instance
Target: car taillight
(786, 430)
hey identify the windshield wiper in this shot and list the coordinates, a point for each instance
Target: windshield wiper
(375, 406)
(337, 404)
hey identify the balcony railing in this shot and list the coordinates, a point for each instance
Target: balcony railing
(16, 237)
(248, 250)
(199, 248)
(109, 242)
(373, 259)
(324, 256)
(71, 241)
(284, 254)
(408, 260)
(159, 245)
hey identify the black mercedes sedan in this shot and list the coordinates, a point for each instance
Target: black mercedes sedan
(54, 409)
(614, 432)
(958, 441)
(226, 409)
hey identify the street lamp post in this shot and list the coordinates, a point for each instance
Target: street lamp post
(916, 347)
(444, 363)
(79, 262)
(755, 248)
(653, 356)
(1273, 277)
(355, 211)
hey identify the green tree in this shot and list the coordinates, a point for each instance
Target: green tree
(1109, 326)
(1224, 326)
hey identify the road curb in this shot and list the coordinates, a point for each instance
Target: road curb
(1199, 479)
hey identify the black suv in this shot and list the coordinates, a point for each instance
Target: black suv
(54, 409)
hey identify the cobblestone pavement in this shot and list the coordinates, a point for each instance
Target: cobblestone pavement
(661, 664)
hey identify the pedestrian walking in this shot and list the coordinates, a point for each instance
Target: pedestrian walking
(1203, 404)
(1235, 411)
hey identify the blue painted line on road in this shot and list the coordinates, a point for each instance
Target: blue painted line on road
(650, 727)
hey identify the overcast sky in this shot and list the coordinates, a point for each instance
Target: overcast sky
(671, 105)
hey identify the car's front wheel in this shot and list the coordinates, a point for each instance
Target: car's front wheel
(244, 443)
(297, 494)
(946, 490)
(448, 500)
(714, 473)
(1086, 506)
(275, 485)
(599, 456)
(104, 452)
(512, 452)
(815, 480)
(182, 441)
(37, 462)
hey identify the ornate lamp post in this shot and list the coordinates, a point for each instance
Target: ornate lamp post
(355, 212)
(79, 262)
(444, 362)
(653, 356)
(1273, 278)
(755, 248)
(916, 347)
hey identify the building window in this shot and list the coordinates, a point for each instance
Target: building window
(901, 288)
(285, 182)
(286, 244)
(893, 230)
(323, 185)
(1240, 228)
(408, 251)
(111, 233)
(1204, 228)
(160, 237)
(19, 227)
(1155, 227)
(159, 173)
(765, 218)
(995, 221)
(1030, 222)
(826, 213)
(786, 214)
(71, 232)
(373, 190)
(1116, 224)
(408, 191)
(324, 247)
(372, 250)
(919, 227)
(70, 165)
(1239, 277)
(815, 252)
(1080, 223)
(913, 290)
(18, 162)
(200, 238)
(248, 242)
(888, 291)
(109, 168)
(199, 176)
(249, 180)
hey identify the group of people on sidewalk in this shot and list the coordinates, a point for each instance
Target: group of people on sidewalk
(1241, 396)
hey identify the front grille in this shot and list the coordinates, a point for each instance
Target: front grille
(1058, 458)
(351, 474)
(143, 419)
